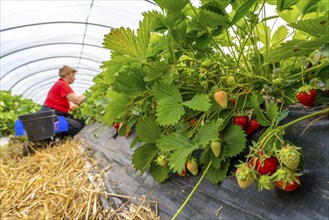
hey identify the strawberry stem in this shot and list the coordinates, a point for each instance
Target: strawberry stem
(192, 192)
(283, 127)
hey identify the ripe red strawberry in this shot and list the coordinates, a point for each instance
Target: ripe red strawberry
(184, 171)
(307, 98)
(193, 167)
(289, 186)
(267, 166)
(192, 121)
(216, 148)
(242, 121)
(233, 101)
(220, 97)
(116, 125)
(252, 126)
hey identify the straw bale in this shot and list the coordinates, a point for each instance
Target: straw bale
(60, 182)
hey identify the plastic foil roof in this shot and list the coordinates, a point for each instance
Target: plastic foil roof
(39, 37)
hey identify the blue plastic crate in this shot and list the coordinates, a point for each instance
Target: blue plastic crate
(60, 125)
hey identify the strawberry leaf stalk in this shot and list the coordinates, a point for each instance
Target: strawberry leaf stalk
(306, 95)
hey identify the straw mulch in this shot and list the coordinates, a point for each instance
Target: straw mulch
(60, 182)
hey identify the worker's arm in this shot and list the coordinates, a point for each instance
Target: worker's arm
(73, 106)
(72, 97)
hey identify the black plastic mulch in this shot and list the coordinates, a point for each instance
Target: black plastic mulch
(309, 201)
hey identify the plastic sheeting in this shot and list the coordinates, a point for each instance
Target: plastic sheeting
(309, 201)
(39, 37)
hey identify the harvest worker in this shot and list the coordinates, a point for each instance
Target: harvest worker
(62, 99)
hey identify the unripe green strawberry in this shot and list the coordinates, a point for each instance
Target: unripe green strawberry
(202, 71)
(162, 160)
(193, 167)
(245, 176)
(290, 156)
(206, 63)
(265, 182)
(216, 148)
(230, 80)
(220, 97)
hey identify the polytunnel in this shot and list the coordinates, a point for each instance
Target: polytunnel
(181, 109)
(39, 37)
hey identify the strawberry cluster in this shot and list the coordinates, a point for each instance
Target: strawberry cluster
(277, 169)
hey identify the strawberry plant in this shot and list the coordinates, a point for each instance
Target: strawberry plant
(11, 106)
(184, 63)
(174, 69)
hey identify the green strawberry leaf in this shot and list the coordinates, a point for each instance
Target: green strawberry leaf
(134, 141)
(291, 15)
(234, 139)
(284, 113)
(155, 70)
(164, 90)
(123, 41)
(178, 158)
(208, 132)
(242, 11)
(218, 175)
(279, 36)
(114, 65)
(143, 32)
(173, 141)
(130, 81)
(116, 108)
(205, 156)
(143, 156)
(297, 48)
(172, 6)
(285, 4)
(148, 130)
(179, 32)
(317, 27)
(159, 173)
(169, 111)
(323, 75)
(200, 102)
(262, 120)
(213, 19)
(272, 111)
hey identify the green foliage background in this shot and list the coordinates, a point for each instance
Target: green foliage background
(11, 106)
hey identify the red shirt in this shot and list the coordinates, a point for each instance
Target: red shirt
(56, 98)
